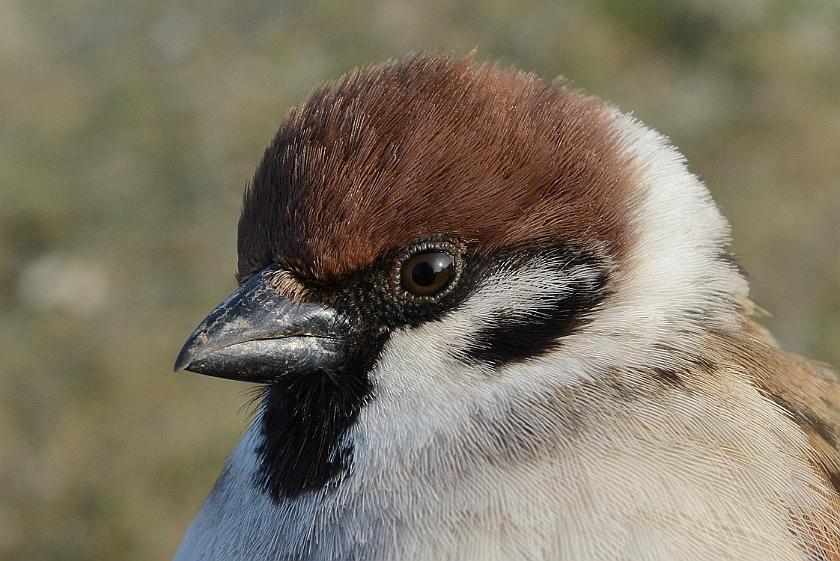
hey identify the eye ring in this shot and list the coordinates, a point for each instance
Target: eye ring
(428, 269)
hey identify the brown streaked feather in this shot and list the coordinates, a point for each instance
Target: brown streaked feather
(809, 393)
(434, 145)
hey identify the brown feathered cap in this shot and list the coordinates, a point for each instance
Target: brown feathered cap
(435, 145)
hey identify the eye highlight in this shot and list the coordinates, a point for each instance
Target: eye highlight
(427, 270)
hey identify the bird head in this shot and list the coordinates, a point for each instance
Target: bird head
(432, 239)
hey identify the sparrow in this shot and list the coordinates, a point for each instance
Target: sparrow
(492, 318)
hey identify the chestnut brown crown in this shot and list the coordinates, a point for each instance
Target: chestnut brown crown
(434, 145)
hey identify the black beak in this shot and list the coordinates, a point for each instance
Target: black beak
(257, 335)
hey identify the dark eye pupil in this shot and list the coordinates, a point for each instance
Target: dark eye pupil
(423, 274)
(428, 273)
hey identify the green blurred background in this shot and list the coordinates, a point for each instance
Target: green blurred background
(128, 131)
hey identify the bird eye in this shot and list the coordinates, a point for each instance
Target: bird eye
(427, 273)
(427, 270)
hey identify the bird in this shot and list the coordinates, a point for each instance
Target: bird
(493, 318)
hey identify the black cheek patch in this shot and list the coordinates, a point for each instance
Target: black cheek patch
(517, 336)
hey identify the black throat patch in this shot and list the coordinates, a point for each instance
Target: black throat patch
(303, 424)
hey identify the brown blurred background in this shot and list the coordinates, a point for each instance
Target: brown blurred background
(128, 131)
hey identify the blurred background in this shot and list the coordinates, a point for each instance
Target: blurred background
(129, 129)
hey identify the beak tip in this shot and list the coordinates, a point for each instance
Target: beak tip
(183, 361)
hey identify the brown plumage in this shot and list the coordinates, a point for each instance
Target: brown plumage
(393, 152)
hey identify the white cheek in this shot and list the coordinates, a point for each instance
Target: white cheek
(418, 386)
(423, 391)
